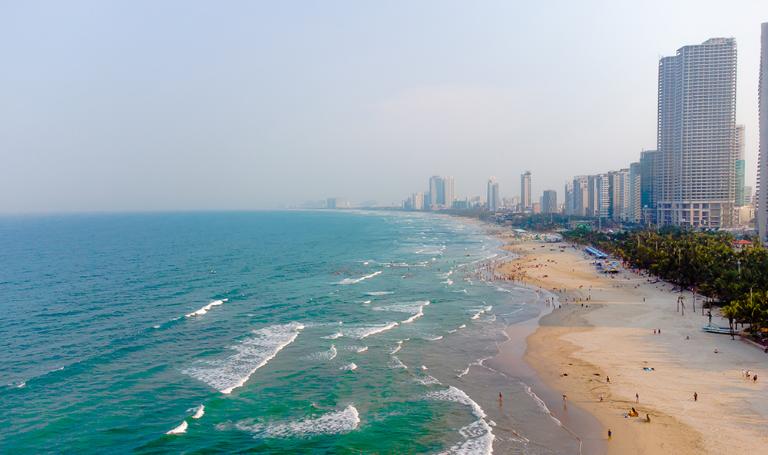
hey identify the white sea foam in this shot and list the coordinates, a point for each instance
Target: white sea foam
(366, 331)
(449, 282)
(395, 362)
(338, 422)
(206, 308)
(540, 403)
(379, 293)
(199, 411)
(181, 429)
(330, 354)
(398, 347)
(366, 302)
(481, 311)
(437, 338)
(478, 435)
(463, 326)
(362, 349)
(251, 354)
(426, 380)
(415, 308)
(349, 367)
(346, 281)
(334, 336)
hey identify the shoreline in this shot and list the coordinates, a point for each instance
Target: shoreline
(572, 349)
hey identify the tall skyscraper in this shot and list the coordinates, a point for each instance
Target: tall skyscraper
(618, 195)
(417, 201)
(525, 190)
(580, 195)
(696, 136)
(761, 215)
(635, 207)
(492, 198)
(648, 181)
(448, 194)
(568, 205)
(441, 193)
(598, 204)
(549, 201)
(741, 165)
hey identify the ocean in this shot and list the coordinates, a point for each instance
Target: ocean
(262, 332)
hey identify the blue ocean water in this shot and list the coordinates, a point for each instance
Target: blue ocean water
(268, 332)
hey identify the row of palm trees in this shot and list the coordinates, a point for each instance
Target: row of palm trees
(707, 263)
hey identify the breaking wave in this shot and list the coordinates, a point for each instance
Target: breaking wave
(338, 422)
(206, 308)
(346, 281)
(251, 354)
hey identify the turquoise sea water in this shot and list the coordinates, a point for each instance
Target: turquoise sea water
(282, 332)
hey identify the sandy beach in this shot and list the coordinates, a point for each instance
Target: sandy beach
(604, 329)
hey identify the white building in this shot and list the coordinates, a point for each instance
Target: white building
(761, 215)
(696, 136)
(492, 197)
(525, 190)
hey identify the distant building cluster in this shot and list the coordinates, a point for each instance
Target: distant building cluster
(695, 177)
(441, 196)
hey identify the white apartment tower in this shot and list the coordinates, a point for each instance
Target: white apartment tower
(492, 197)
(761, 216)
(696, 136)
(525, 190)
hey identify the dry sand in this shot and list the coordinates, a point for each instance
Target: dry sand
(576, 347)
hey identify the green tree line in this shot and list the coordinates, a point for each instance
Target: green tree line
(704, 262)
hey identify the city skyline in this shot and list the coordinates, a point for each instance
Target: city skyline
(96, 119)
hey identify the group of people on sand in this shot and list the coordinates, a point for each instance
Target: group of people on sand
(749, 375)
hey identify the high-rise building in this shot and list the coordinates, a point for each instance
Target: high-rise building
(417, 201)
(761, 215)
(441, 193)
(568, 205)
(549, 201)
(448, 194)
(618, 195)
(580, 195)
(741, 165)
(525, 190)
(648, 181)
(696, 136)
(635, 207)
(436, 192)
(598, 204)
(493, 199)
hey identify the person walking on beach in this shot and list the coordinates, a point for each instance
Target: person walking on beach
(610, 433)
(637, 398)
(695, 396)
(608, 379)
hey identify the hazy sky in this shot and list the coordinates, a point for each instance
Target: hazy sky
(153, 105)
